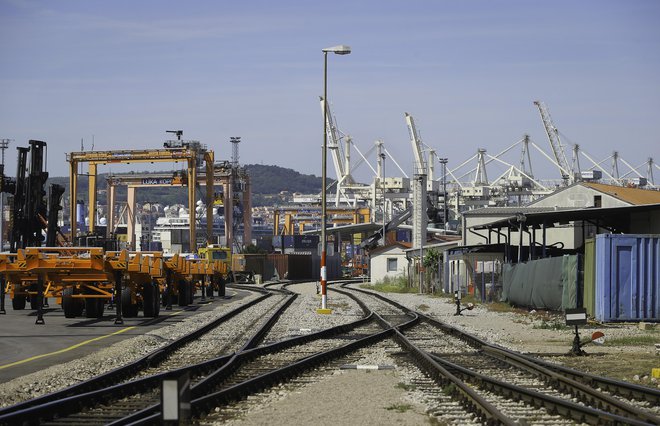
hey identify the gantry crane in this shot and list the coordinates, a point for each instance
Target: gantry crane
(224, 174)
(191, 152)
(555, 143)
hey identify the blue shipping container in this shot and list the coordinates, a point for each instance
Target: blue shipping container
(627, 284)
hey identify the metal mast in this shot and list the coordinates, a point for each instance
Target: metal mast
(555, 143)
(4, 144)
(235, 140)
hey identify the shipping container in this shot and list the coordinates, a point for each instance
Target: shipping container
(255, 263)
(292, 266)
(305, 266)
(403, 235)
(627, 284)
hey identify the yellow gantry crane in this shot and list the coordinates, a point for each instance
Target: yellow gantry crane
(192, 154)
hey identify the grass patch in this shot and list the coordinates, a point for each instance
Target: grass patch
(501, 307)
(391, 285)
(337, 306)
(399, 408)
(449, 390)
(405, 386)
(646, 339)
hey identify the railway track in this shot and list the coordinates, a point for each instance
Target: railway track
(515, 386)
(156, 360)
(464, 380)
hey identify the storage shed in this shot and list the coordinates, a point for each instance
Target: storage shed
(388, 261)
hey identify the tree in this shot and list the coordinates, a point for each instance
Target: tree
(430, 262)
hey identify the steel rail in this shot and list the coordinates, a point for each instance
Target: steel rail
(617, 387)
(584, 392)
(576, 412)
(203, 392)
(625, 389)
(563, 378)
(467, 396)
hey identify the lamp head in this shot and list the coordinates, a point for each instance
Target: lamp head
(338, 50)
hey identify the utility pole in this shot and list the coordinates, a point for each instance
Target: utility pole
(4, 144)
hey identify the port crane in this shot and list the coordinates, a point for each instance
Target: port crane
(192, 152)
(555, 143)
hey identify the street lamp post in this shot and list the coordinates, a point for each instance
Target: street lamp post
(338, 50)
(382, 185)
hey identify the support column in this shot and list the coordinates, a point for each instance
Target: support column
(130, 211)
(209, 159)
(247, 212)
(73, 195)
(92, 197)
(118, 283)
(2, 295)
(192, 181)
(40, 300)
(111, 208)
(229, 211)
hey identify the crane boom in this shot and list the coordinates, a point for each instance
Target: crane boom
(555, 142)
(420, 163)
(333, 142)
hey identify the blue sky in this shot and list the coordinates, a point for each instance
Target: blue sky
(123, 72)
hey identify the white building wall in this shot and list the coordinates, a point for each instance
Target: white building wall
(378, 264)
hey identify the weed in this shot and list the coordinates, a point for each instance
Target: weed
(391, 285)
(449, 390)
(337, 306)
(406, 386)
(423, 307)
(551, 325)
(399, 408)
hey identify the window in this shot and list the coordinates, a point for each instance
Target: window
(598, 201)
(391, 264)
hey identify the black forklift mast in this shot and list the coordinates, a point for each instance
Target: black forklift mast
(18, 206)
(30, 213)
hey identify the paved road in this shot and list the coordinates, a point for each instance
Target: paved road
(26, 347)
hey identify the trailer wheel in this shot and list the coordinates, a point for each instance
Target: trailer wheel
(150, 300)
(72, 307)
(156, 300)
(18, 302)
(33, 297)
(128, 308)
(184, 293)
(175, 297)
(94, 308)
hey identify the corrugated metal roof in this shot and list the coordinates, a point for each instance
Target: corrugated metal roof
(614, 216)
(511, 211)
(635, 196)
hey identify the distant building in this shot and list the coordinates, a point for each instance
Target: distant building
(388, 261)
